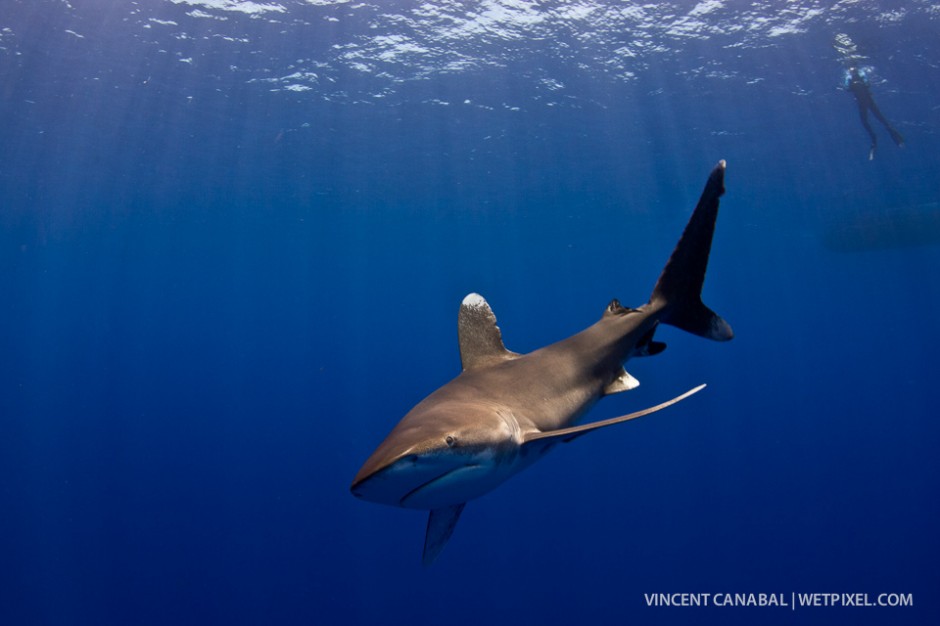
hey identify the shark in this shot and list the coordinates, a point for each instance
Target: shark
(505, 410)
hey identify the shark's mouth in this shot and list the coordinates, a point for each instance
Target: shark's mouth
(440, 491)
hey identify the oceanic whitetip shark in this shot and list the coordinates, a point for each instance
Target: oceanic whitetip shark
(506, 410)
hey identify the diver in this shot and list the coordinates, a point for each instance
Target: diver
(856, 82)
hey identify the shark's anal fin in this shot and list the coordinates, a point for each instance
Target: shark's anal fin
(441, 524)
(623, 382)
(646, 346)
(481, 342)
(567, 434)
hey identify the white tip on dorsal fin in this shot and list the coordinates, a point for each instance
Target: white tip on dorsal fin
(481, 342)
(623, 382)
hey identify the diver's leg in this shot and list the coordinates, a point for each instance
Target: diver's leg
(863, 116)
(895, 135)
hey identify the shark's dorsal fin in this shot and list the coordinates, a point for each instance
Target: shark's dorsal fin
(567, 434)
(481, 343)
(623, 382)
(615, 308)
(441, 523)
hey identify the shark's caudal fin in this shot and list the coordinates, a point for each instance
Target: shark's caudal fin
(679, 287)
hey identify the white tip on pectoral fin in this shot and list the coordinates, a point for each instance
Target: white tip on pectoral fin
(623, 382)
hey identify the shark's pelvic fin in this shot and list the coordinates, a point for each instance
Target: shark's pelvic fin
(481, 342)
(441, 523)
(623, 382)
(679, 288)
(567, 434)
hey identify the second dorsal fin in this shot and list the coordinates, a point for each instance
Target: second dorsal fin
(481, 342)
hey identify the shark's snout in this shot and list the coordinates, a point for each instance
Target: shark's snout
(408, 480)
(442, 453)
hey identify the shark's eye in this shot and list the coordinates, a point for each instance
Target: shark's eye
(450, 441)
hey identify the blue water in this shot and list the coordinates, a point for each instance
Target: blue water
(234, 237)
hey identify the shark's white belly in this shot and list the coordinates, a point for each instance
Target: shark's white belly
(477, 475)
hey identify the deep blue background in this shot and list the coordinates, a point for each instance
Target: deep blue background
(215, 300)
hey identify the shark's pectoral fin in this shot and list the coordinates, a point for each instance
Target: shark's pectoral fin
(481, 342)
(441, 523)
(623, 382)
(567, 434)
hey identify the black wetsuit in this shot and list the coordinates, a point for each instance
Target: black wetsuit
(859, 88)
